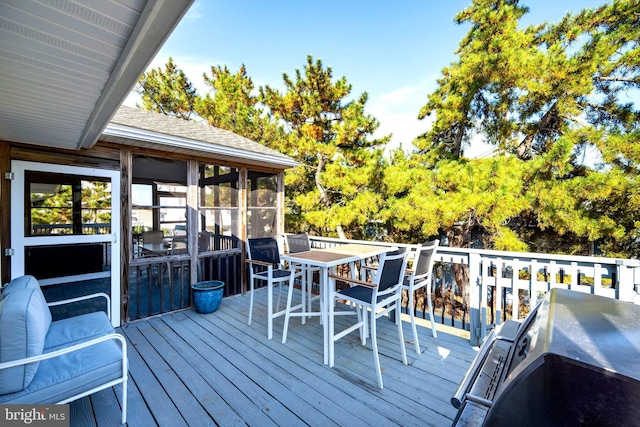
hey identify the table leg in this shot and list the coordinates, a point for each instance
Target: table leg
(325, 311)
(303, 292)
(307, 291)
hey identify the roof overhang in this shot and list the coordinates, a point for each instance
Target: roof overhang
(142, 138)
(67, 65)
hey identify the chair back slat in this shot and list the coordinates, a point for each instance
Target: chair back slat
(204, 241)
(391, 270)
(264, 249)
(423, 262)
(152, 237)
(297, 243)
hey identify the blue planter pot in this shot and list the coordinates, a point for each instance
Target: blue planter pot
(207, 295)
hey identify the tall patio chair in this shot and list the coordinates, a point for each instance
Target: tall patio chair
(264, 264)
(419, 277)
(152, 237)
(179, 240)
(204, 241)
(380, 296)
(204, 245)
(296, 243)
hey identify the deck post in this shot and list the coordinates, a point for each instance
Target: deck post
(477, 324)
(626, 273)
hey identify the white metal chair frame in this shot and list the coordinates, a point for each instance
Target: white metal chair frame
(419, 276)
(296, 243)
(266, 258)
(381, 296)
(75, 347)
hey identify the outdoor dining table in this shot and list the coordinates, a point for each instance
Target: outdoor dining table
(159, 249)
(152, 248)
(326, 260)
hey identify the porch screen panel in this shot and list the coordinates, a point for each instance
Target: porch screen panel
(159, 205)
(219, 208)
(167, 213)
(262, 204)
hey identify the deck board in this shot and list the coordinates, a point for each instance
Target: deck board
(354, 365)
(194, 369)
(271, 377)
(238, 386)
(81, 413)
(154, 395)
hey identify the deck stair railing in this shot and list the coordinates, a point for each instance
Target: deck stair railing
(506, 285)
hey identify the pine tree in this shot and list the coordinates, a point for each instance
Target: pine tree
(334, 188)
(168, 91)
(546, 95)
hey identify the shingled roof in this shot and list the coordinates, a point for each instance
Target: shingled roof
(134, 127)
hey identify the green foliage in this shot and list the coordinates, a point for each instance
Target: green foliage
(232, 105)
(458, 197)
(334, 190)
(543, 95)
(167, 91)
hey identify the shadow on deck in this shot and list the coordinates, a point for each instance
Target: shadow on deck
(197, 369)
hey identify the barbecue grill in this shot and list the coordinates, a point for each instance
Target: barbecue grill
(574, 361)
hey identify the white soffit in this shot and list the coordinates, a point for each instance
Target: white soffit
(67, 65)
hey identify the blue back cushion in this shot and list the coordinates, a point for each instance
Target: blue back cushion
(24, 322)
(27, 282)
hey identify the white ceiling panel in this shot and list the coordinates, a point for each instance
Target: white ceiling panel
(67, 65)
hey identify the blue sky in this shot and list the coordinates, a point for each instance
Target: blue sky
(393, 50)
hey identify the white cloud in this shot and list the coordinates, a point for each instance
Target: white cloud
(397, 112)
(194, 12)
(407, 94)
(405, 127)
(478, 148)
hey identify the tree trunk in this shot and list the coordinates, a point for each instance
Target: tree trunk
(323, 193)
(460, 272)
(523, 150)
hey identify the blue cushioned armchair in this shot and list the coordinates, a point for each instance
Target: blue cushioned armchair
(57, 362)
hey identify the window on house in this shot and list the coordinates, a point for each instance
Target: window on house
(67, 204)
(219, 208)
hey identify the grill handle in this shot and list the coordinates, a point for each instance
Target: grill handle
(472, 372)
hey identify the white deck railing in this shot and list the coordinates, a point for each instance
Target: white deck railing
(495, 277)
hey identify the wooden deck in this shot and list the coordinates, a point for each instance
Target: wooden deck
(212, 369)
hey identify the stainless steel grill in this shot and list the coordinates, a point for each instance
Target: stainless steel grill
(574, 361)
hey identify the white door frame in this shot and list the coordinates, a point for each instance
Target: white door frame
(19, 241)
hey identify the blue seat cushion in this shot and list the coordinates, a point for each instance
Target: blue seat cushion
(24, 323)
(73, 330)
(70, 374)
